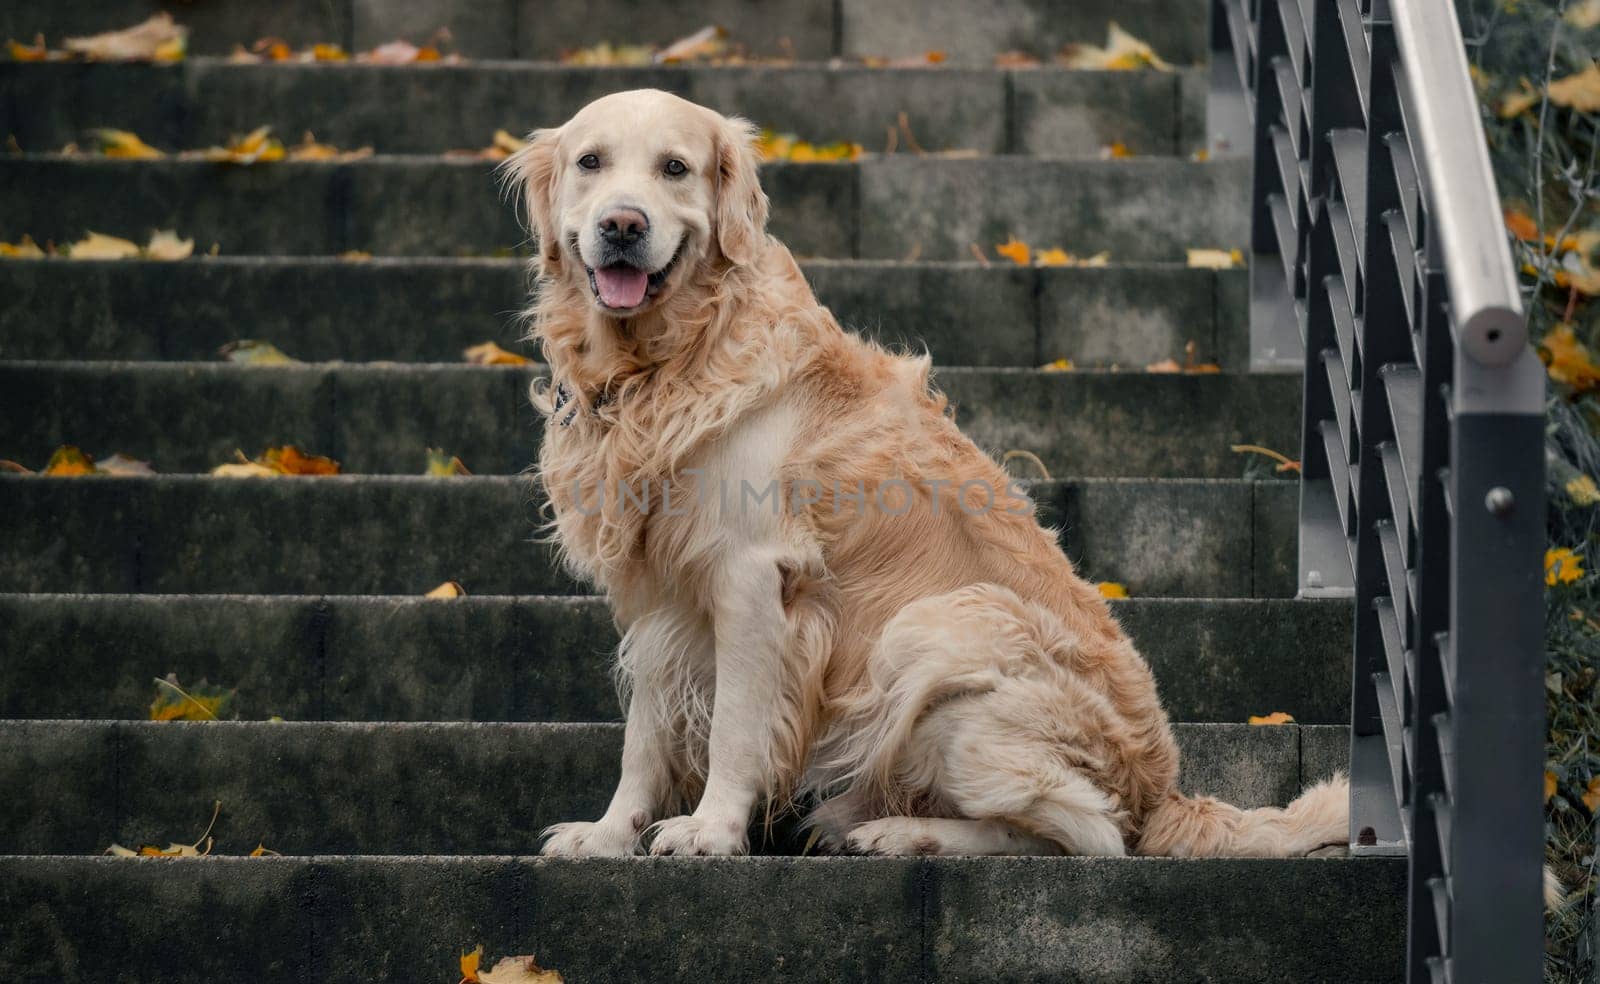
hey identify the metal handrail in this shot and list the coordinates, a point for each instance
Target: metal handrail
(1380, 269)
(1483, 291)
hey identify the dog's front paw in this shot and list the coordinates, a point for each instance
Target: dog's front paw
(693, 835)
(588, 840)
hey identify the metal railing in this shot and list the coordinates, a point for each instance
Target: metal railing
(1380, 268)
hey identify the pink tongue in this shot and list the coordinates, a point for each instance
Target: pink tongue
(621, 287)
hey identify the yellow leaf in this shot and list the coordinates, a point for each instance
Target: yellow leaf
(708, 42)
(1216, 259)
(469, 963)
(1562, 566)
(124, 143)
(449, 589)
(1059, 365)
(263, 850)
(1591, 795)
(1015, 250)
(1190, 363)
(200, 702)
(100, 247)
(309, 150)
(1580, 92)
(1165, 365)
(1111, 589)
(157, 38)
(173, 850)
(165, 245)
(257, 146)
(35, 52)
(1276, 717)
(490, 354)
(441, 464)
(290, 460)
(1054, 256)
(1567, 360)
(68, 461)
(1118, 150)
(328, 53)
(122, 465)
(606, 53)
(355, 256)
(1123, 52)
(24, 249)
(1549, 785)
(1285, 464)
(1515, 104)
(1583, 491)
(250, 352)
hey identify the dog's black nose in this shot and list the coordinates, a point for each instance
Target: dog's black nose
(623, 226)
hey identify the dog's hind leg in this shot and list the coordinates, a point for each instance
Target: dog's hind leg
(940, 836)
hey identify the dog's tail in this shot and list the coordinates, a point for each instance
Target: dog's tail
(1204, 827)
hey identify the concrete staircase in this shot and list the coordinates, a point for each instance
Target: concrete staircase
(425, 743)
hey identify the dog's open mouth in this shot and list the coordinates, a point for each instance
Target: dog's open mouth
(622, 287)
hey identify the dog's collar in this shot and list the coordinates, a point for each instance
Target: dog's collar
(564, 396)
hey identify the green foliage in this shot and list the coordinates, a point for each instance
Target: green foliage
(1544, 155)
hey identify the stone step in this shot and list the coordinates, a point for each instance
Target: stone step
(399, 535)
(429, 110)
(429, 310)
(888, 208)
(530, 29)
(380, 419)
(426, 788)
(707, 920)
(548, 658)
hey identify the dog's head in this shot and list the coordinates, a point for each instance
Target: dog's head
(637, 190)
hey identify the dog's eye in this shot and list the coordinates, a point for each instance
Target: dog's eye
(589, 162)
(675, 167)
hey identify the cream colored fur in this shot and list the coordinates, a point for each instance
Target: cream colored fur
(933, 670)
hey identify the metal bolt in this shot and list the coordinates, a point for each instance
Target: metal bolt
(1499, 501)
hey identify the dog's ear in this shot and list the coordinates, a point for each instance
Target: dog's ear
(529, 175)
(741, 204)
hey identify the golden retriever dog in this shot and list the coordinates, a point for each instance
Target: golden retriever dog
(826, 591)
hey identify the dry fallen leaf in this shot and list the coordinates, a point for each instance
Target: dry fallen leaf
(1055, 256)
(1580, 92)
(401, 53)
(443, 464)
(173, 850)
(501, 146)
(449, 589)
(1276, 717)
(125, 144)
(1583, 491)
(250, 352)
(309, 150)
(287, 460)
(200, 702)
(263, 850)
(1116, 151)
(1562, 566)
(1021, 59)
(1216, 259)
(123, 466)
(1591, 795)
(1015, 250)
(1111, 589)
(1549, 785)
(1123, 52)
(1191, 365)
(490, 354)
(708, 42)
(1059, 365)
(1516, 103)
(68, 461)
(157, 39)
(97, 246)
(36, 52)
(165, 245)
(1568, 360)
(774, 146)
(257, 146)
(507, 970)
(1520, 224)
(25, 249)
